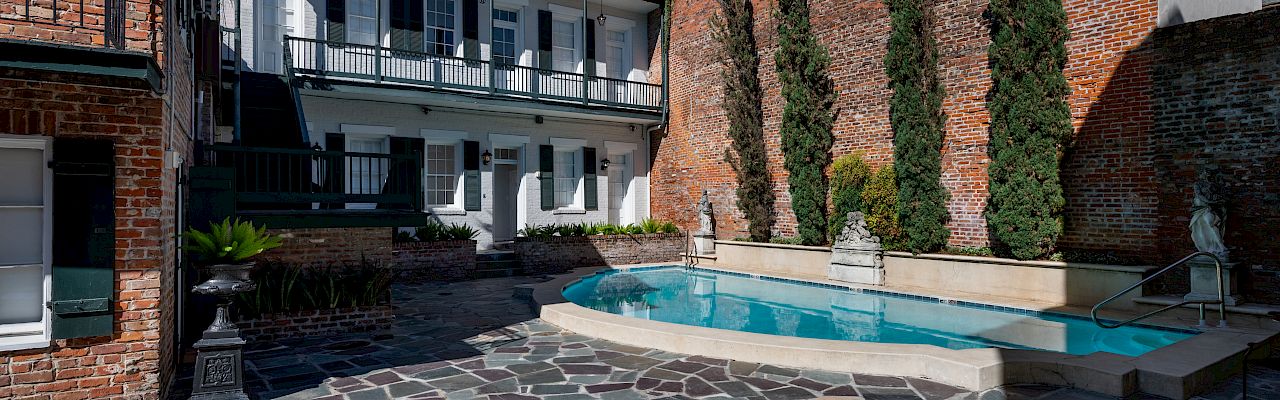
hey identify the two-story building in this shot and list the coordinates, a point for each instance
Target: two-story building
(496, 114)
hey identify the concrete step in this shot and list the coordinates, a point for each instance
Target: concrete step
(1244, 315)
(496, 255)
(495, 269)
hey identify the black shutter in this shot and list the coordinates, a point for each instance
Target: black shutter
(547, 175)
(83, 238)
(589, 66)
(471, 171)
(335, 167)
(336, 14)
(471, 29)
(406, 25)
(544, 39)
(589, 200)
(404, 176)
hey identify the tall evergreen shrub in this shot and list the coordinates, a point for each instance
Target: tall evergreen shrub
(1030, 123)
(807, 118)
(915, 112)
(849, 175)
(733, 28)
(880, 205)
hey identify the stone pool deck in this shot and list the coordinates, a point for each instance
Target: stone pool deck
(472, 340)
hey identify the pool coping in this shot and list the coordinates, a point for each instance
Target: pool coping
(1176, 371)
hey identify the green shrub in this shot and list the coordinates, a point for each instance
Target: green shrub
(435, 232)
(807, 118)
(229, 242)
(969, 251)
(849, 174)
(648, 225)
(880, 206)
(1030, 124)
(734, 30)
(461, 232)
(915, 114)
(286, 288)
(792, 240)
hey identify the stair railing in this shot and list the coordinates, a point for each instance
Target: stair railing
(690, 261)
(1221, 301)
(290, 79)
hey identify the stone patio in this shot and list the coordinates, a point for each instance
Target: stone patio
(472, 340)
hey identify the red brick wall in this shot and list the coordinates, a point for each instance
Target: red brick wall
(559, 254)
(332, 246)
(316, 323)
(688, 156)
(448, 260)
(142, 23)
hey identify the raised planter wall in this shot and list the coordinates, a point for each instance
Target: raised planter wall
(316, 323)
(558, 254)
(450, 260)
(332, 247)
(1040, 281)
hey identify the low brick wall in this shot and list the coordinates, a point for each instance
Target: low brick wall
(332, 246)
(317, 323)
(450, 260)
(559, 254)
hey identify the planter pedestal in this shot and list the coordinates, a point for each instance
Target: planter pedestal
(1205, 287)
(857, 264)
(704, 244)
(219, 371)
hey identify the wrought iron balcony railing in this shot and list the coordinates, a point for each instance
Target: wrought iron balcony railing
(380, 64)
(303, 179)
(77, 17)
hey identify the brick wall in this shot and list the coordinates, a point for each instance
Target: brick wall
(316, 323)
(63, 25)
(450, 260)
(127, 364)
(559, 254)
(332, 246)
(1108, 191)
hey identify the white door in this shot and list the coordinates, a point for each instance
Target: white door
(506, 180)
(619, 184)
(367, 173)
(275, 21)
(616, 65)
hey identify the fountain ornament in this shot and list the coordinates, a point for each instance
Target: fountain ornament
(224, 250)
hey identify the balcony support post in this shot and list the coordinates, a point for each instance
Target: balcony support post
(586, 79)
(377, 42)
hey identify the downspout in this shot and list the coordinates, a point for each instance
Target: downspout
(665, 37)
(236, 85)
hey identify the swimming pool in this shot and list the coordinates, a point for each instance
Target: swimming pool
(775, 306)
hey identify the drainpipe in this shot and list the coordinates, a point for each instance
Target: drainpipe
(665, 37)
(236, 85)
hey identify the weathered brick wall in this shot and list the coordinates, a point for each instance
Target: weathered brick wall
(558, 254)
(1217, 106)
(450, 260)
(126, 364)
(332, 246)
(142, 23)
(317, 323)
(1105, 196)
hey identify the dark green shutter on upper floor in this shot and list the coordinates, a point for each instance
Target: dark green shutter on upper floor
(471, 29)
(547, 176)
(590, 54)
(544, 39)
(336, 20)
(84, 245)
(471, 175)
(589, 195)
(407, 25)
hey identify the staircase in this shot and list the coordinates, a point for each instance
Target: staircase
(497, 264)
(268, 115)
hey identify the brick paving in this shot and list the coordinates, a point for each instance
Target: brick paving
(472, 340)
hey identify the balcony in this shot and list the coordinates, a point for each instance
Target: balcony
(76, 22)
(376, 64)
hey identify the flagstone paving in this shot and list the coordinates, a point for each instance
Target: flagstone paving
(472, 340)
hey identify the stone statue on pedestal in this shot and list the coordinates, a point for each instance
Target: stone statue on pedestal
(705, 238)
(1208, 217)
(857, 255)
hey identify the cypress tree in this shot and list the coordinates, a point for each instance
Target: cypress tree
(734, 29)
(915, 113)
(807, 118)
(1030, 123)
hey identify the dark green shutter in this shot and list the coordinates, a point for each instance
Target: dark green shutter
(471, 173)
(336, 15)
(589, 66)
(335, 167)
(589, 200)
(84, 245)
(544, 39)
(405, 176)
(471, 29)
(406, 25)
(547, 175)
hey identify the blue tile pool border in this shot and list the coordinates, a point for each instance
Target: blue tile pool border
(885, 293)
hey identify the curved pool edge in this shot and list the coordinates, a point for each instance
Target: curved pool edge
(1175, 371)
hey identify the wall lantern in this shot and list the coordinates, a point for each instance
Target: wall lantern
(604, 164)
(601, 18)
(487, 157)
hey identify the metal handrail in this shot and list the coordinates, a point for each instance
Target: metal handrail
(1221, 301)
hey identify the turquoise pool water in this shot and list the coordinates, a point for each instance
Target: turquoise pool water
(776, 306)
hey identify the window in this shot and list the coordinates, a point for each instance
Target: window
(440, 26)
(442, 174)
(505, 25)
(25, 242)
(506, 154)
(563, 46)
(367, 173)
(615, 54)
(566, 178)
(362, 20)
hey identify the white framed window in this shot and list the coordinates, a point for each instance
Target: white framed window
(566, 178)
(442, 174)
(617, 65)
(566, 38)
(362, 22)
(506, 33)
(368, 173)
(440, 28)
(26, 242)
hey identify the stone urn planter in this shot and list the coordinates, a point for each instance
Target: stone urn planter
(219, 366)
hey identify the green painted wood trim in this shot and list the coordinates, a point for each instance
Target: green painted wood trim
(82, 60)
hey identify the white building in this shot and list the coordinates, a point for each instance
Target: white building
(491, 93)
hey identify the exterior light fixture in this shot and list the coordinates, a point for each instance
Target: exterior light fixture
(601, 17)
(604, 164)
(487, 157)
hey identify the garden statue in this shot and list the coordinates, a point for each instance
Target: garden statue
(857, 256)
(705, 237)
(1208, 216)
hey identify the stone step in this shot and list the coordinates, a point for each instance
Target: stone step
(497, 269)
(496, 255)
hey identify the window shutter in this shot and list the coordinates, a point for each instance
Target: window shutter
(406, 25)
(335, 168)
(589, 200)
(589, 66)
(404, 177)
(471, 29)
(544, 39)
(547, 175)
(83, 239)
(336, 14)
(471, 169)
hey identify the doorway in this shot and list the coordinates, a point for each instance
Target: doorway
(506, 188)
(619, 185)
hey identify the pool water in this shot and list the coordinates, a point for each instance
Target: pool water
(774, 306)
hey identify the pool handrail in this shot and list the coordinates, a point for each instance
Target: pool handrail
(1221, 301)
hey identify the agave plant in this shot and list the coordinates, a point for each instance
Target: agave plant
(230, 242)
(461, 232)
